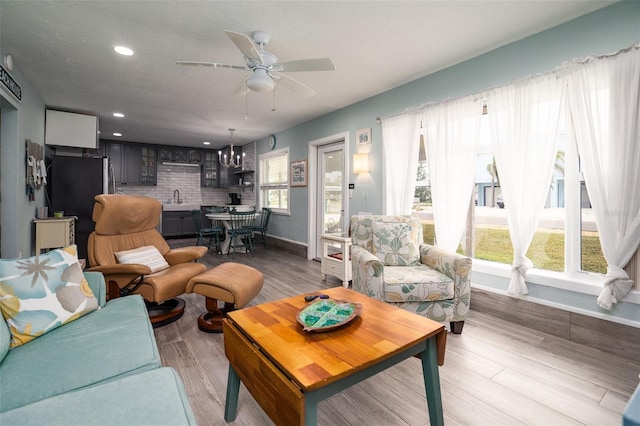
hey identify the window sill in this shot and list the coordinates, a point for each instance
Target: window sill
(584, 283)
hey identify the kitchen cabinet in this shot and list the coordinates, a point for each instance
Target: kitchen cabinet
(171, 224)
(115, 152)
(148, 167)
(194, 156)
(178, 224)
(165, 153)
(209, 172)
(179, 155)
(133, 164)
(173, 154)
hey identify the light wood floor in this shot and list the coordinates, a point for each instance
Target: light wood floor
(495, 373)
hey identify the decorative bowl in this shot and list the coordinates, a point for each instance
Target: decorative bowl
(327, 314)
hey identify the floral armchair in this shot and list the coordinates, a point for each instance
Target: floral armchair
(391, 263)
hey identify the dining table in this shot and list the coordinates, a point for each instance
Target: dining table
(226, 220)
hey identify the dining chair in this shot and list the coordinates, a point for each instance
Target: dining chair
(261, 227)
(241, 231)
(213, 232)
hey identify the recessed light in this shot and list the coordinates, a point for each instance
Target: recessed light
(117, 134)
(118, 114)
(123, 50)
(206, 143)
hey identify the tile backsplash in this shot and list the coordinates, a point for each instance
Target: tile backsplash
(187, 180)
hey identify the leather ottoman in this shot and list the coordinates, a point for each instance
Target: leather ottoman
(233, 283)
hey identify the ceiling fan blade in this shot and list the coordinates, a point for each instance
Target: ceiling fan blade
(295, 86)
(318, 64)
(241, 88)
(213, 64)
(246, 45)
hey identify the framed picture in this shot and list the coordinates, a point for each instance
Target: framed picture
(363, 137)
(299, 173)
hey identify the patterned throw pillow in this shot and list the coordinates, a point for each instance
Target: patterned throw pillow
(42, 293)
(147, 255)
(395, 243)
(5, 339)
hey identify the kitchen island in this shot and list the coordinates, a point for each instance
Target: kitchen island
(177, 221)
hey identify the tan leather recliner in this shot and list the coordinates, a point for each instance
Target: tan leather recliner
(125, 222)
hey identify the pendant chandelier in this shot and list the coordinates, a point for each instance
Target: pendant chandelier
(234, 160)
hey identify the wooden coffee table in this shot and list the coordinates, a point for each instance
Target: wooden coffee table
(288, 370)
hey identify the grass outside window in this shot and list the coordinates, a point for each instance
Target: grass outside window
(546, 250)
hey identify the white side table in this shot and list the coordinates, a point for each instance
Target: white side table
(332, 263)
(54, 233)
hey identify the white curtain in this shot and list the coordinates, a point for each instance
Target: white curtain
(400, 145)
(604, 98)
(452, 134)
(524, 117)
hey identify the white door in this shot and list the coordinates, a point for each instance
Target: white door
(330, 215)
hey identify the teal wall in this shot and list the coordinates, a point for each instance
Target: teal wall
(20, 121)
(601, 32)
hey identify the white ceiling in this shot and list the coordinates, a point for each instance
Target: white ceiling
(65, 50)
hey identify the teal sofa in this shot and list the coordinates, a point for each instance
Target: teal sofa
(101, 369)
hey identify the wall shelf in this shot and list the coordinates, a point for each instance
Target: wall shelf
(241, 174)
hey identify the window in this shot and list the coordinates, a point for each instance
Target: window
(491, 240)
(566, 240)
(547, 250)
(274, 181)
(586, 251)
(422, 206)
(422, 195)
(491, 234)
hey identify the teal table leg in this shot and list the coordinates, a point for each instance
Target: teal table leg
(432, 383)
(310, 412)
(233, 388)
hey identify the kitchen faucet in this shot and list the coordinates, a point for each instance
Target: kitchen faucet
(178, 201)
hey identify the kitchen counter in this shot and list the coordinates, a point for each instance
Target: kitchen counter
(189, 207)
(180, 207)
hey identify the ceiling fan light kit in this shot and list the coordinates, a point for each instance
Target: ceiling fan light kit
(260, 81)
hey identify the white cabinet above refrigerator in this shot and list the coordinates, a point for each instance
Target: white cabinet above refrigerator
(71, 129)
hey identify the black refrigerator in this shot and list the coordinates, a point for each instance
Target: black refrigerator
(75, 181)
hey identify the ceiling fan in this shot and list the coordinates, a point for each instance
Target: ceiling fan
(264, 66)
